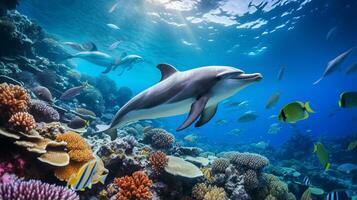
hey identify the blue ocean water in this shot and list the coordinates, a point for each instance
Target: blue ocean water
(253, 35)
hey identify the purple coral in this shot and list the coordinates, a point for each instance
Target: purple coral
(35, 190)
(14, 166)
(43, 112)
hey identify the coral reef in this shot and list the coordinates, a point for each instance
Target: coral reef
(298, 146)
(43, 112)
(133, 187)
(249, 160)
(215, 193)
(158, 138)
(13, 99)
(22, 121)
(178, 167)
(220, 165)
(158, 161)
(34, 189)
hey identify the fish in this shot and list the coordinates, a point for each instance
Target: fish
(197, 92)
(84, 111)
(89, 46)
(43, 93)
(97, 58)
(272, 100)
(73, 92)
(281, 73)
(78, 123)
(295, 111)
(190, 138)
(306, 181)
(352, 145)
(236, 132)
(331, 33)
(90, 173)
(274, 128)
(248, 117)
(113, 26)
(114, 45)
(221, 122)
(352, 69)
(114, 7)
(260, 145)
(337, 195)
(334, 65)
(322, 155)
(348, 100)
(347, 168)
(127, 62)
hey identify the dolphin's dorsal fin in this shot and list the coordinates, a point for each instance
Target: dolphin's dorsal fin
(166, 70)
(207, 115)
(196, 110)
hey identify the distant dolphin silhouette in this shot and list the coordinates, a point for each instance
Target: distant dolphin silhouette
(197, 91)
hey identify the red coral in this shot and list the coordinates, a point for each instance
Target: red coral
(22, 121)
(135, 187)
(158, 161)
(13, 98)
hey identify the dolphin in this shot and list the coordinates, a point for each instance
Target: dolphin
(196, 91)
(334, 64)
(98, 58)
(127, 62)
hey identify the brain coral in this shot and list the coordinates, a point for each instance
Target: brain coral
(13, 98)
(220, 165)
(33, 189)
(133, 187)
(22, 121)
(158, 161)
(79, 149)
(43, 112)
(249, 160)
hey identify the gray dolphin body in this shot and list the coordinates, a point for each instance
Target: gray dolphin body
(127, 62)
(98, 58)
(334, 64)
(197, 91)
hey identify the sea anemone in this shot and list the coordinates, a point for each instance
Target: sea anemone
(158, 161)
(22, 121)
(220, 165)
(13, 99)
(34, 189)
(135, 187)
(79, 149)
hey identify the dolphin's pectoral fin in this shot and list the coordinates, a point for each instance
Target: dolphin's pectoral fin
(207, 115)
(108, 69)
(196, 110)
(166, 70)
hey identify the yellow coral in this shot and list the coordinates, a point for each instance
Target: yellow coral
(79, 149)
(215, 193)
(207, 173)
(199, 191)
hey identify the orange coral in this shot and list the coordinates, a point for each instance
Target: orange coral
(79, 149)
(22, 121)
(158, 161)
(133, 187)
(13, 98)
(64, 173)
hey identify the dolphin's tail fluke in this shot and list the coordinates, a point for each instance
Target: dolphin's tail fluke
(316, 82)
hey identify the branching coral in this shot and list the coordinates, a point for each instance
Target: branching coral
(133, 187)
(274, 189)
(79, 149)
(158, 161)
(13, 99)
(22, 121)
(250, 179)
(199, 191)
(43, 112)
(33, 189)
(249, 160)
(220, 165)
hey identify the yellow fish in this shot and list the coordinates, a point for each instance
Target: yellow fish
(88, 175)
(322, 155)
(295, 111)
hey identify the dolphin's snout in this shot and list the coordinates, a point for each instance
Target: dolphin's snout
(251, 77)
